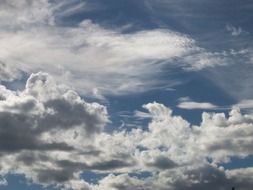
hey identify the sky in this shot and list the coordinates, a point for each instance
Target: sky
(126, 94)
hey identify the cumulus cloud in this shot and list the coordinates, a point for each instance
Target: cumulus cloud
(182, 156)
(51, 135)
(40, 123)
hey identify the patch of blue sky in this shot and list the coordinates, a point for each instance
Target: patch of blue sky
(110, 13)
(195, 86)
(94, 178)
(19, 182)
(17, 84)
(236, 162)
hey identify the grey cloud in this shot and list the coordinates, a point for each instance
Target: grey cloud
(17, 133)
(38, 140)
(51, 176)
(163, 163)
(110, 165)
(204, 177)
(30, 157)
(241, 178)
(8, 73)
(33, 121)
(71, 165)
(68, 114)
(122, 182)
(193, 178)
(100, 166)
(210, 177)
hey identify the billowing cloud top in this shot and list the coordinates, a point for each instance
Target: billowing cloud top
(51, 135)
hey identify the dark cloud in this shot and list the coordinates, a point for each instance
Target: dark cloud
(110, 165)
(50, 176)
(163, 163)
(24, 118)
(30, 157)
(33, 123)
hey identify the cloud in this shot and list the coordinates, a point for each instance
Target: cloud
(41, 122)
(8, 73)
(233, 30)
(245, 104)
(93, 59)
(51, 135)
(243, 177)
(170, 139)
(186, 103)
(76, 55)
(17, 14)
(3, 182)
(162, 162)
(178, 154)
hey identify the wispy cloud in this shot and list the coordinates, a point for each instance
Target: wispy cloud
(234, 30)
(90, 57)
(187, 103)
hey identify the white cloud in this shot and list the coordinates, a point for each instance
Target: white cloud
(88, 56)
(92, 57)
(3, 182)
(17, 14)
(177, 153)
(245, 104)
(187, 103)
(234, 30)
(121, 182)
(51, 135)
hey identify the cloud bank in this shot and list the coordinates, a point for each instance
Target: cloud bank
(51, 135)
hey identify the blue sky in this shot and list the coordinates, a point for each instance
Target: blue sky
(126, 94)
